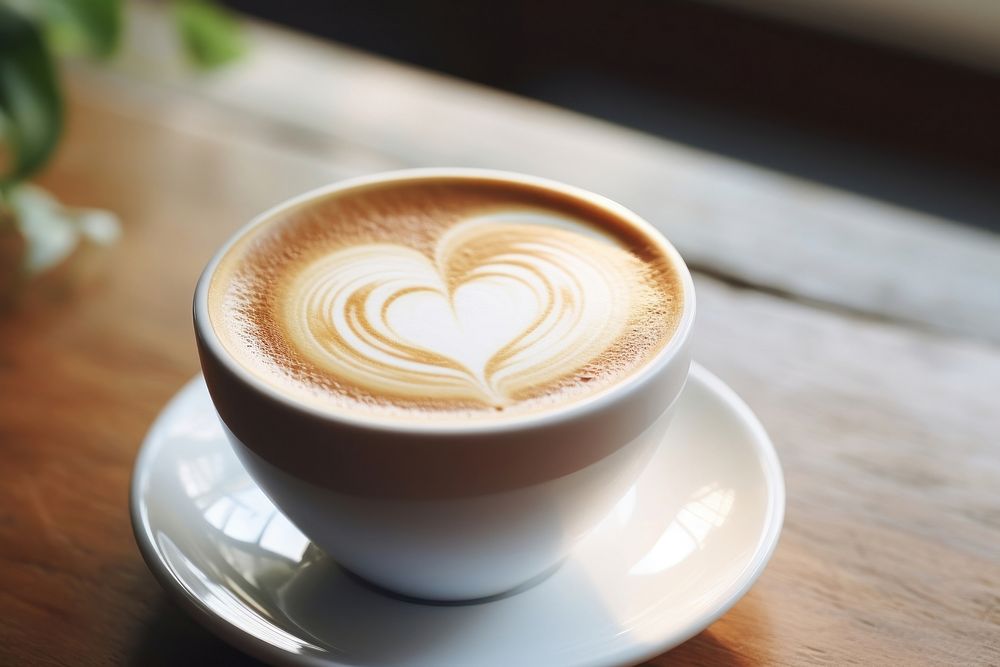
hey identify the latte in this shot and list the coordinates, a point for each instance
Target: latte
(444, 298)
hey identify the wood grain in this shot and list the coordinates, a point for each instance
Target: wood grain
(889, 440)
(889, 435)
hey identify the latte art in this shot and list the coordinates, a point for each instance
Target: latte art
(444, 298)
(499, 308)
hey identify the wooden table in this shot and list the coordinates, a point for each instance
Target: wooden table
(866, 337)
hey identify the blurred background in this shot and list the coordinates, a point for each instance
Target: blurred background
(897, 99)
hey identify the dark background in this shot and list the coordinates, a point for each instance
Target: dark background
(881, 121)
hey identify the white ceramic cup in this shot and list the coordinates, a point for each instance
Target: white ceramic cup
(447, 511)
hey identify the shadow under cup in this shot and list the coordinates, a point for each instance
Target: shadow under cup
(448, 511)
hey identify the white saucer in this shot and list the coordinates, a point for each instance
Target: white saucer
(686, 542)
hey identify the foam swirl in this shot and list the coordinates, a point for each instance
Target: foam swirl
(504, 305)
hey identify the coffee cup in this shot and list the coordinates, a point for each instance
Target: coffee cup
(447, 500)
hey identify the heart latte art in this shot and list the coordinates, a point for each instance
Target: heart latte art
(444, 298)
(498, 309)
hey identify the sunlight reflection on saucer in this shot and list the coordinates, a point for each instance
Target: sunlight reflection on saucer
(245, 515)
(239, 512)
(221, 600)
(708, 509)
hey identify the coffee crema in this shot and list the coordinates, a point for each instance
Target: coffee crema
(438, 297)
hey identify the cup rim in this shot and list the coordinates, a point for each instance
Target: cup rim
(529, 421)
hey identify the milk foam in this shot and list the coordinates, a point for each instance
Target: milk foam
(489, 310)
(500, 308)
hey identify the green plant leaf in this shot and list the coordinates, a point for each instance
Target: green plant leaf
(31, 106)
(210, 34)
(91, 27)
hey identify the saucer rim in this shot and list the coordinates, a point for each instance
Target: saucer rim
(252, 645)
